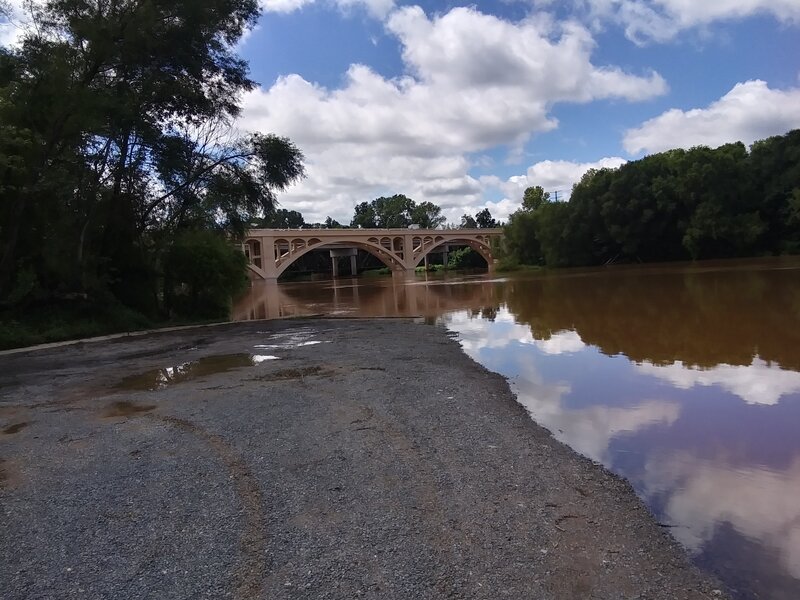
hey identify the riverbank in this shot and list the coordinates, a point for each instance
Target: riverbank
(55, 323)
(304, 459)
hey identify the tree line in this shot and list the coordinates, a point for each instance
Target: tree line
(283, 218)
(118, 162)
(398, 211)
(692, 204)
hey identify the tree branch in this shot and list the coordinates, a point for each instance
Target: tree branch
(189, 181)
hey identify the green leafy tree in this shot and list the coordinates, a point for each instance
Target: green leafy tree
(698, 203)
(774, 165)
(520, 241)
(283, 219)
(465, 258)
(725, 219)
(485, 220)
(396, 211)
(468, 222)
(224, 186)
(393, 211)
(427, 215)
(365, 216)
(115, 139)
(205, 271)
(332, 223)
(534, 197)
(551, 226)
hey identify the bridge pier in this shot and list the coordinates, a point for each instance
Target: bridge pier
(337, 253)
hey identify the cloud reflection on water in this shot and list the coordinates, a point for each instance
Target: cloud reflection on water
(588, 430)
(591, 430)
(757, 383)
(506, 330)
(719, 497)
(759, 503)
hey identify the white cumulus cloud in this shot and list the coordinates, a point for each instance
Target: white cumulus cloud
(12, 22)
(283, 6)
(472, 82)
(750, 111)
(661, 20)
(552, 175)
(376, 8)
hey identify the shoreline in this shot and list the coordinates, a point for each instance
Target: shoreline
(371, 457)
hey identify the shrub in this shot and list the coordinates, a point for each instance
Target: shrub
(465, 258)
(202, 272)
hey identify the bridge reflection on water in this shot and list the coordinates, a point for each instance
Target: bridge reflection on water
(392, 296)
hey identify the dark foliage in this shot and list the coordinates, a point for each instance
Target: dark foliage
(115, 139)
(677, 205)
(203, 270)
(397, 211)
(483, 219)
(465, 258)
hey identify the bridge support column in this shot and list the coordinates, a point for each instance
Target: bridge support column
(404, 274)
(408, 251)
(268, 258)
(337, 253)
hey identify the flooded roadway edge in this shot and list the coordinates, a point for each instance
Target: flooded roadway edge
(567, 510)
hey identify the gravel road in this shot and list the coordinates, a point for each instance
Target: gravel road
(304, 459)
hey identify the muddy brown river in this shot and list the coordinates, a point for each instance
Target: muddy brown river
(684, 379)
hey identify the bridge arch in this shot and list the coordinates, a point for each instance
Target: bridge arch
(387, 257)
(481, 248)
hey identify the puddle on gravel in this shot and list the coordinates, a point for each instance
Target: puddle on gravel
(127, 409)
(284, 346)
(155, 379)
(291, 339)
(286, 374)
(15, 428)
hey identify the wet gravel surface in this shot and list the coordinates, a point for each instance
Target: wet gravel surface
(304, 459)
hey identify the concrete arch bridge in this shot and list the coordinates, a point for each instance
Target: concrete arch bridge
(271, 251)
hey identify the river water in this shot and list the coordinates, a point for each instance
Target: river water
(684, 379)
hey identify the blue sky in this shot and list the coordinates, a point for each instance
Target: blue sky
(465, 105)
